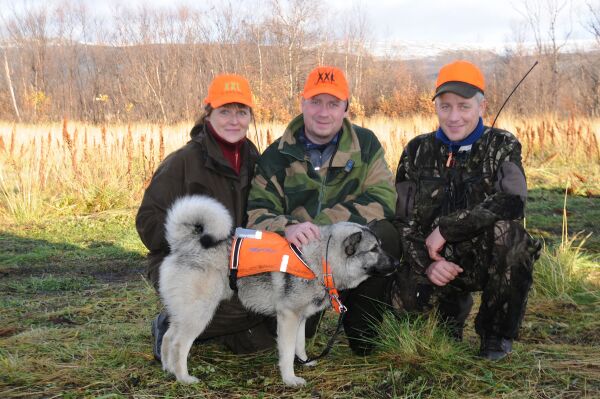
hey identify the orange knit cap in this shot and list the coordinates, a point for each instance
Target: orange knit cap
(460, 77)
(326, 80)
(229, 88)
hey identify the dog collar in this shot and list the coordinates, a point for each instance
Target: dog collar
(334, 296)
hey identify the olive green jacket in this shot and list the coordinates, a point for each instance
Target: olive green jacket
(355, 185)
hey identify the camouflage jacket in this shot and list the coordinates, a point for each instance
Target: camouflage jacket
(483, 184)
(355, 186)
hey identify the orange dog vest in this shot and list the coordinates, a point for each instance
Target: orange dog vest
(258, 252)
(267, 252)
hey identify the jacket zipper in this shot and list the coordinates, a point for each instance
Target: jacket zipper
(324, 181)
(321, 193)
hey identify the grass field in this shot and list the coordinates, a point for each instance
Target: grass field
(75, 306)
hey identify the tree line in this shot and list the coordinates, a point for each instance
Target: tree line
(154, 64)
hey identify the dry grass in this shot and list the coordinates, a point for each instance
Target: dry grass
(78, 168)
(75, 307)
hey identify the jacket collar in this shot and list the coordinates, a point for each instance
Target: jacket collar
(465, 143)
(214, 155)
(348, 146)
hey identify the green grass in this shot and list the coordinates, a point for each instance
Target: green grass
(563, 272)
(545, 215)
(75, 311)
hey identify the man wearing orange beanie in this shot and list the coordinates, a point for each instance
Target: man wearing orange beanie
(461, 202)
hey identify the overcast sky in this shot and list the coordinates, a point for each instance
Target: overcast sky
(475, 21)
(468, 22)
(451, 21)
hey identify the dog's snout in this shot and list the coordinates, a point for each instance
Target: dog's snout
(386, 266)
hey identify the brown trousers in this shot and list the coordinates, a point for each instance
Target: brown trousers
(241, 330)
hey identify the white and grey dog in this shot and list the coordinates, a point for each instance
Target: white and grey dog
(194, 279)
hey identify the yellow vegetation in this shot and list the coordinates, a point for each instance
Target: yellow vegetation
(76, 167)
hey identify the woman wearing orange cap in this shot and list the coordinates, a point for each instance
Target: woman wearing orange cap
(218, 161)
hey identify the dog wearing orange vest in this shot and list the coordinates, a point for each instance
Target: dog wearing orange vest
(194, 279)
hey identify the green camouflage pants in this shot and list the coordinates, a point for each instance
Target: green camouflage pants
(499, 263)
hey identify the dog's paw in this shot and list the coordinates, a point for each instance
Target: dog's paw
(188, 379)
(312, 363)
(294, 381)
(166, 368)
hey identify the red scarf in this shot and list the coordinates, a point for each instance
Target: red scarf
(231, 151)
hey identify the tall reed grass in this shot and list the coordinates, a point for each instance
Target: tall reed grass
(78, 168)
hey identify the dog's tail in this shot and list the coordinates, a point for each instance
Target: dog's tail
(197, 218)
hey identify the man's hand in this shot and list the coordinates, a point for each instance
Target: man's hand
(302, 233)
(435, 243)
(441, 272)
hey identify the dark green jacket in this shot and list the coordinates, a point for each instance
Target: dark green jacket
(286, 189)
(197, 168)
(485, 185)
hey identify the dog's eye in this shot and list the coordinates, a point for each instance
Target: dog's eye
(375, 249)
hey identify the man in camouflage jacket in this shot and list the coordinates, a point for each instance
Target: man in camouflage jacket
(325, 170)
(461, 201)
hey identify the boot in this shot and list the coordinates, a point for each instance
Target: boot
(494, 347)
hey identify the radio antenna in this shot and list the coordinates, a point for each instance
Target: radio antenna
(511, 93)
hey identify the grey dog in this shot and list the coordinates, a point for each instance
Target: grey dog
(194, 279)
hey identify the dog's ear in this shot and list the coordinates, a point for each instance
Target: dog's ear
(350, 243)
(371, 224)
(208, 241)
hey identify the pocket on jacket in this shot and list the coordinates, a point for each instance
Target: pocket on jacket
(406, 199)
(429, 198)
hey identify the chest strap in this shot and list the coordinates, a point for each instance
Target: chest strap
(334, 296)
(336, 304)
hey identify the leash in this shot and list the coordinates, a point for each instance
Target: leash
(336, 304)
(328, 347)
